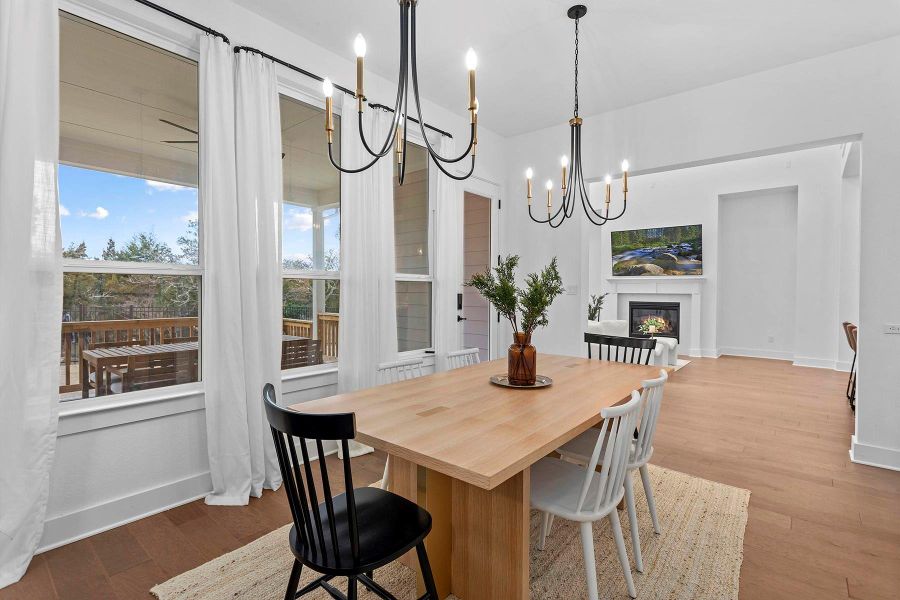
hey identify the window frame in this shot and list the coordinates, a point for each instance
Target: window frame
(182, 43)
(303, 91)
(414, 136)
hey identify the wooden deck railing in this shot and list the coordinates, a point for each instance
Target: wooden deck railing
(84, 335)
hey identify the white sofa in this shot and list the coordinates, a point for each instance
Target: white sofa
(665, 354)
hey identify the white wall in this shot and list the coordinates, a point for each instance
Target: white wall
(847, 95)
(693, 195)
(121, 459)
(757, 287)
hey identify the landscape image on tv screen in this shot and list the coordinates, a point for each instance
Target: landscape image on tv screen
(658, 251)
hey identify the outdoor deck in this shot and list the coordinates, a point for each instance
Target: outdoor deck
(80, 336)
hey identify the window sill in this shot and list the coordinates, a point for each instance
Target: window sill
(308, 372)
(78, 416)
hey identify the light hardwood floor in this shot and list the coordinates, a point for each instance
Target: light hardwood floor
(820, 527)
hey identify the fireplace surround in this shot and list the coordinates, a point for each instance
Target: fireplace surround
(668, 312)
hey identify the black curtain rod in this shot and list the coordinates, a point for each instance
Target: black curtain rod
(339, 87)
(178, 17)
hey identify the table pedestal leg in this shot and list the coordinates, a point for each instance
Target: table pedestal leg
(478, 545)
(490, 540)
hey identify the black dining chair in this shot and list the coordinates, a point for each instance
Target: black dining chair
(353, 533)
(636, 351)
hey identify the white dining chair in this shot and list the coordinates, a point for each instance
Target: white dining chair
(392, 372)
(580, 493)
(579, 451)
(463, 358)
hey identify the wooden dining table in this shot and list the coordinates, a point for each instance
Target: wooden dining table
(462, 448)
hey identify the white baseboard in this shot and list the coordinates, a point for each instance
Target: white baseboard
(842, 365)
(756, 353)
(64, 529)
(874, 456)
(817, 363)
(711, 353)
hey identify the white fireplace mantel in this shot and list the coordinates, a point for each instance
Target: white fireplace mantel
(686, 284)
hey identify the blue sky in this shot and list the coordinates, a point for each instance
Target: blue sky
(96, 206)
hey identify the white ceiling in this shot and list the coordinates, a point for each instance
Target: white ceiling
(631, 50)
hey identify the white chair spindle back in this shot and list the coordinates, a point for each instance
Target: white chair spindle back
(614, 442)
(652, 402)
(463, 358)
(401, 370)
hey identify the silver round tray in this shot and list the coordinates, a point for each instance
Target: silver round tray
(503, 380)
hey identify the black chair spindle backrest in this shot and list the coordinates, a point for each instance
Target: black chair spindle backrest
(622, 349)
(299, 480)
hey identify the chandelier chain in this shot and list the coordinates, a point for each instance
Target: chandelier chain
(576, 67)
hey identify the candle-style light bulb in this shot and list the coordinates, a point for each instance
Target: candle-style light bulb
(625, 177)
(625, 166)
(359, 46)
(471, 63)
(549, 185)
(549, 195)
(564, 162)
(328, 90)
(471, 60)
(529, 174)
(608, 181)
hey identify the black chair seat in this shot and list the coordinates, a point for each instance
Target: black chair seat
(389, 526)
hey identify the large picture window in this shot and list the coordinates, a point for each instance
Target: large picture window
(412, 248)
(311, 238)
(129, 214)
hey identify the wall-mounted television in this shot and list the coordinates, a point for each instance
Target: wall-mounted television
(659, 251)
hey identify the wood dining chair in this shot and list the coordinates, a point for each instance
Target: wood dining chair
(353, 533)
(851, 331)
(579, 451)
(579, 493)
(636, 351)
(392, 372)
(464, 358)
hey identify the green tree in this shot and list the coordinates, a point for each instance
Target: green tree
(190, 244)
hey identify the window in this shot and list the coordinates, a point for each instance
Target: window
(412, 226)
(129, 213)
(311, 238)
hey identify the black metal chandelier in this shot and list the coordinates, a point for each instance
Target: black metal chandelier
(573, 179)
(396, 137)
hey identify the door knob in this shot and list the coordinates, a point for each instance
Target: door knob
(459, 318)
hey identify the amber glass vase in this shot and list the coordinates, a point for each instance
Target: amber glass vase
(522, 360)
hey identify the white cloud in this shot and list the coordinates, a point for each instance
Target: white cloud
(99, 213)
(63, 211)
(299, 220)
(191, 216)
(162, 186)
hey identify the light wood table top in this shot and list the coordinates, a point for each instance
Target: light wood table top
(459, 424)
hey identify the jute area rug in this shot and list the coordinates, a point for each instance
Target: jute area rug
(697, 556)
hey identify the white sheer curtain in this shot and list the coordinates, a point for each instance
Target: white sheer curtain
(227, 431)
(368, 320)
(259, 190)
(31, 269)
(448, 259)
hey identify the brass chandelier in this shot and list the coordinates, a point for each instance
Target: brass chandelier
(397, 135)
(573, 179)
